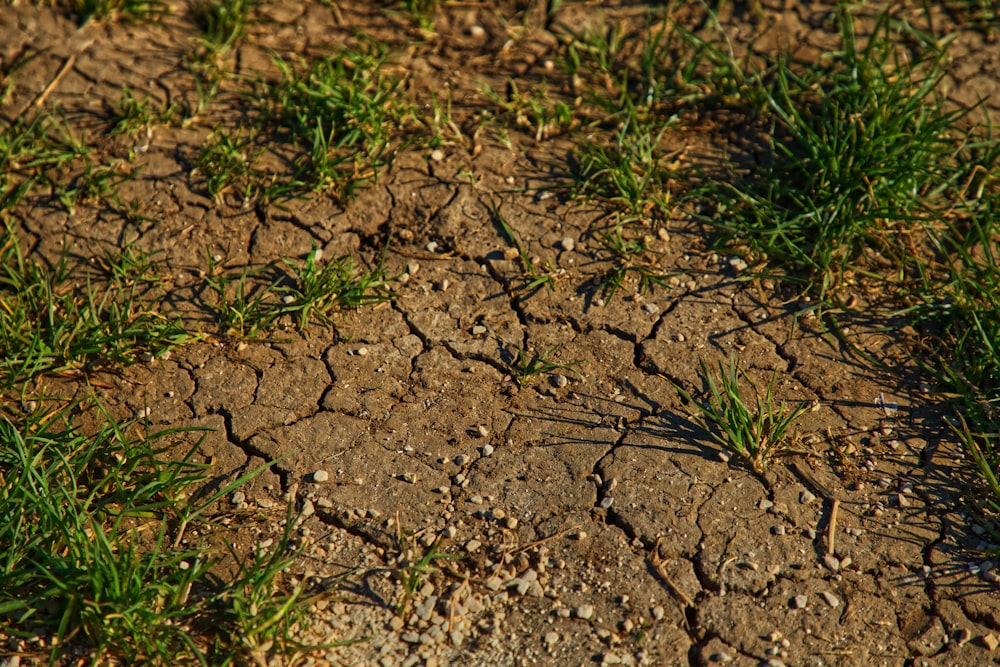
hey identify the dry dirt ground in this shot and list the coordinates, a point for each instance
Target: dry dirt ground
(597, 523)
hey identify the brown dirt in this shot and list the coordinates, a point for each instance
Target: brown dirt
(647, 548)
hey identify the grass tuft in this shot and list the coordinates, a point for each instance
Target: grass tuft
(755, 431)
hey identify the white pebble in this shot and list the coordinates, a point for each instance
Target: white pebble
(483, 431)
(806, 497)
(799, 602)
(830, 599)
(321, 476)
(437, 154)
(432, 246)
(551, 637)
(584, 611)
(238, 498)
(473, 545)
(567, 244)
(487, 450)
(606, 502)
(477, 31)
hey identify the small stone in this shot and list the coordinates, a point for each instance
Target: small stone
(410, 637)
(511, 523)
(409, 477)
(432, 246)
(830, 599)
(288, 299)
(478, 330)
(765, 504)
(963, 636)
(361, 351)
(320, 476)
(483, 431)
(606, 502)
(238, 498)
(473, 545)
(831, 562)
(611, 659)
(308, 509)
(724, 457)
(437, 154)
(551, 637)
(799, 602)
(721, 656)
(559, 380)
(476, 499)
(460, 460)
(651, 308)
(658, 613)
(663, 234)
(477, 31)
(806, 497)
(584, 611)
(487, 450)
(990, 641)
(567, 244)
(737, 264)
(777, 530)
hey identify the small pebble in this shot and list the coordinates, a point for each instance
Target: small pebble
(477, 31)
(720, 657)
(990, 641)
(606, 502)
(437, 154)
(584, 611)
(832, 562)
(409, 477)
(238, 498)
(308, 509)
(658, 613)
(777, 530)
(799, 602)
(806, 497)
(320, 476)
(478, 330)
(567, 244)
(432, 246)
(830, 599)
(487, 450)
(473, 545)
(559, 381)
(765, 504)
(460, 460)
(288, 299)
(483, 431)
(551, 638)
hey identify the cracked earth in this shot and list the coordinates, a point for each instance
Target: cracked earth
(597, 523)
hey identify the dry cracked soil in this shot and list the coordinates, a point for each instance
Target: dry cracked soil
(597, 524)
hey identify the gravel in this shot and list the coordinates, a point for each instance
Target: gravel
(320, 476)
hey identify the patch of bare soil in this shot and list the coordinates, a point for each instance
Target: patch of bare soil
(597, 523)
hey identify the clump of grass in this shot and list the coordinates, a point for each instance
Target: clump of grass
(87, 560)
(112, 10)
(526, 365)
(222, 23)
(49, 323)
(249, 302)
(756, 431)
(415, 565)
(633, 260)
(133, 114)
(227, 160)
(344, 112)
(867, 153)
(31, 150)
(536, 110)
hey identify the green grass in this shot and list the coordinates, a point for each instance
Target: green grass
(866, 154)
(250, 302)
(113, 10)
(222, 24)
(526, 365)
(228, 161)
(87, 555)
(133, 114)
(54, 319)
(31, 151)
(535, 111)
(343, 114)
(755, 429)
